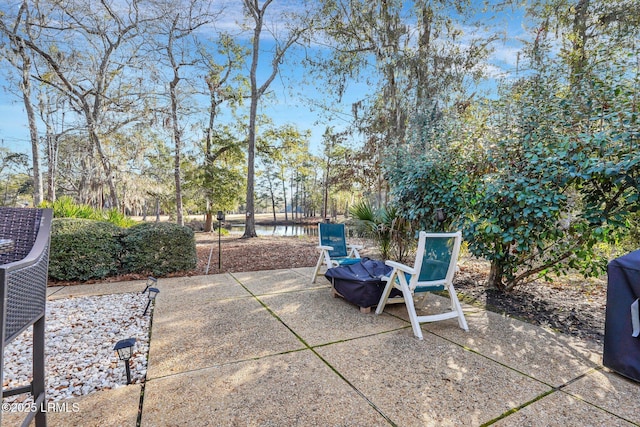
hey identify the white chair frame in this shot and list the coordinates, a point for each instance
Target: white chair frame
(326, 259)
(398, 279)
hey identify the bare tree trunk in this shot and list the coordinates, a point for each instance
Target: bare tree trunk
(291, 201)
(208, 216)
(272, 195)
(257, 14)
(208, 219)
(496, 275)
(51, 138)
(273, 205)
(33, 128)
(580, 36)
(177, 146)
(106, 166)
(284, 197)
(297, 196)
(175, 126)
(304, 198)
(20, 49)
(325, 197)
(52, 153)
(250, 222)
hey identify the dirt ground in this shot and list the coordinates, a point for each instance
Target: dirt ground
(260, 253)
(571, 304)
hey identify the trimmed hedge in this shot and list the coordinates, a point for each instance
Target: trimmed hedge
(83, 249)
(158, 248)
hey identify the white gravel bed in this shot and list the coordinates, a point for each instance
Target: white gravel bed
(79, 340)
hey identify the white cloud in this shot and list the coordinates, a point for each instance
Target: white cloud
(505, 55)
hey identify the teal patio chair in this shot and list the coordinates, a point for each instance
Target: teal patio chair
(433, 270)
(333, 247)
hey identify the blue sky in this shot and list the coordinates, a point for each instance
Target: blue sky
(14, 133)
(288, 106)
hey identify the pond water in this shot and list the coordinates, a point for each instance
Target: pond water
(279, 230)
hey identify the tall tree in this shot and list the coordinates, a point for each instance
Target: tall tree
(20, 57)
(340, 174)
(225, 85)
(87, 51)
(218, 181)
(282, 150)
(181, 20)
(410, 53)
(52, 108)
(257, 13)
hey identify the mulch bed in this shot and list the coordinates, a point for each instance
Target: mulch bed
(572, 305)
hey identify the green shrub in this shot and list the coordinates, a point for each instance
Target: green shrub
(83, 249)
(158, 248)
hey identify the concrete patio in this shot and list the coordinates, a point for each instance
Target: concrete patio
(268, 349)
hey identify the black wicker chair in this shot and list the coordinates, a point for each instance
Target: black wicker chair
(24, 264)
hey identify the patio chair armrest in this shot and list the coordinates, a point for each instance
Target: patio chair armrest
(401, 267)
(355, 246)
(325, 248)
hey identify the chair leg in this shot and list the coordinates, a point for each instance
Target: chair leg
(408, 302)
(315, 271)
(39, 371)
(411, 309)
(457, 307)
(385, 294)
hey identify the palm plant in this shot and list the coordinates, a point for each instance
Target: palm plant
(66, 207)
(391, 232)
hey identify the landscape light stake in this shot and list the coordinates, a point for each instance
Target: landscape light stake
(125, 351)
(220, 219)
(153, 292)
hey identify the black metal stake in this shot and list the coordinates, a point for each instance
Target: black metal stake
(219, 252)
(153, 292)
(147, 307)
(128, 369)
(220, 218)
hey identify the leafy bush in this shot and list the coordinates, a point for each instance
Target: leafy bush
(83, 249)
(116, 217)
(632, 241)
(158, 248)
(541, 196)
